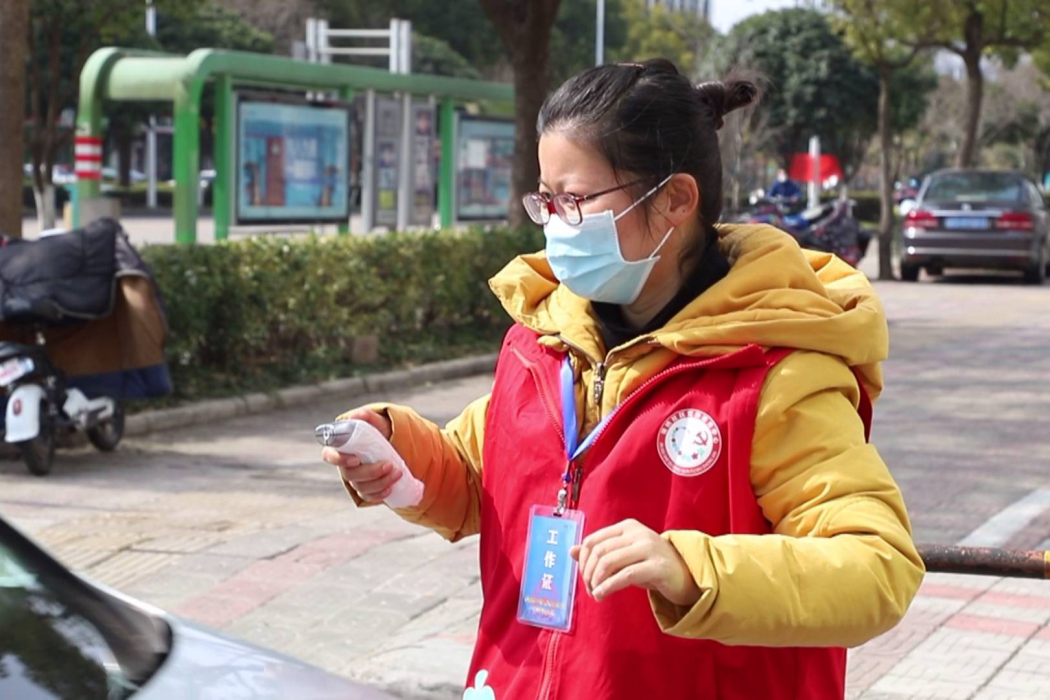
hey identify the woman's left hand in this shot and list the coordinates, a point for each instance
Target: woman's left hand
(630, 554)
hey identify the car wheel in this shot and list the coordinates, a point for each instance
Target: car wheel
(910, 273)
(1037, 273)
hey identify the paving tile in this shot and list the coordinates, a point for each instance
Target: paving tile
(993, 625)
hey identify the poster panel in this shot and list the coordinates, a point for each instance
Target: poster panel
(293, 161)
(424, 141)
(387, 158)
(484, 163)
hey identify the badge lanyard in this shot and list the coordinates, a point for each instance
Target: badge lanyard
(573, 447)
(549, 575)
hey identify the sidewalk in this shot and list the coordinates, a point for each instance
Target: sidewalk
(236, 523)
(964, 637)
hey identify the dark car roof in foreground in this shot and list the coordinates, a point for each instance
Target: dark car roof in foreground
(195, 663)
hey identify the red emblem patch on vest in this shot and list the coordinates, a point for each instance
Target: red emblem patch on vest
(689, 442)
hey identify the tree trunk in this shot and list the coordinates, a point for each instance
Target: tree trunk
(14, 32)
(974, 98)
(973, 36)
(1042, 154)
(45, 125)
(530, 90)
(524, 27)
(886, 178)
(45, 205)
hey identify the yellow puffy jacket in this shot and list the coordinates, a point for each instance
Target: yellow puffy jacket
(841, 566)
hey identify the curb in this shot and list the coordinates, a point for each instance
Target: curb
(223, 409)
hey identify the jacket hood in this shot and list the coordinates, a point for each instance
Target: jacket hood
(775, 295)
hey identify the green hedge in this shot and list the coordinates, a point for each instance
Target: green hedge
(267, 311)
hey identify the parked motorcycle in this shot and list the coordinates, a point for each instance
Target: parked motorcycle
(41, 405)
(829, 227)
(82, 329)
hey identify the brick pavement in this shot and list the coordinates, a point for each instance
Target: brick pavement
(239, 526)
(964, 637)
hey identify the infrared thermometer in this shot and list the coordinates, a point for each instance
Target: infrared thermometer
(356, 437)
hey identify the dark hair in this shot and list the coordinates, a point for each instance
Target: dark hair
(649, 121)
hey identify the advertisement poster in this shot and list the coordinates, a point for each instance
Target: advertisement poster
(292, 162)
(484, 160)
(424, 140)
(387, 154)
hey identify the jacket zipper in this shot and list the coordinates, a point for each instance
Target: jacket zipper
(631, 398)
(599, 385)
(547, 681)
(552, 640)
(547, 678)
(600, 367)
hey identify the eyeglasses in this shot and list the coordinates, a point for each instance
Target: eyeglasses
(540, 205)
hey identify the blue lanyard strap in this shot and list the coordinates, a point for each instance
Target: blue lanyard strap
(573, 447)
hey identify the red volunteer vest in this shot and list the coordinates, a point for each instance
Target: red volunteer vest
(616, 649)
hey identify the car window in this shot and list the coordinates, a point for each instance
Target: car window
(59, 638)
(977, 187)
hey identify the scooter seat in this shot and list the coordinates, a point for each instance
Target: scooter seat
(9, 349)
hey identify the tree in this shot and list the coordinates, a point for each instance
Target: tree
(815, 84)
(458, 23)
(877, 31)
(1041, 59)
(436, 57)
(283, 20)
(657, 32)
(1016, 121)
(573, 39)
(911, 87)
(14, 28)
(972, 29)
(209, 25)
(524, 27)
(62, 34)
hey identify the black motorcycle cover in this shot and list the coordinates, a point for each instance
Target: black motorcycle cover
(98, 305)
(60, 279)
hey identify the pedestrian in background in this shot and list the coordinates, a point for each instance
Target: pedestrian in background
(785, 188)
(678, 426)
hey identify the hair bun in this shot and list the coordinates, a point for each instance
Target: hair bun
(659, 65)
(724, 97)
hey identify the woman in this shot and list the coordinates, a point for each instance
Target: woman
(692, 398)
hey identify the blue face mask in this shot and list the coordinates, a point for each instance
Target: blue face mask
(587, 258)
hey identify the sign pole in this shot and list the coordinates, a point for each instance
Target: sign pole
(368, 164)
(151, 130)
(814, 172)
(347, 95)
(404, 174)
(447, 174)
(401, 55)
(224, 186)
(599, 43)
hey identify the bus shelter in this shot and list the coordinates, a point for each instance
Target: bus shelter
(117, 74)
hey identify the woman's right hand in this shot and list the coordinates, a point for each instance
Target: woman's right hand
(372, 482)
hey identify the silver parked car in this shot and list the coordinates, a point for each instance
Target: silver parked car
(977, 219)
(64, 637)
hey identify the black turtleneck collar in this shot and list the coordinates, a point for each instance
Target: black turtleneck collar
(713, 266)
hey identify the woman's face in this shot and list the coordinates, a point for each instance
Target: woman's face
(575, 167)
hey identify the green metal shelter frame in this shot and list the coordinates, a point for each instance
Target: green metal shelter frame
(133, 75)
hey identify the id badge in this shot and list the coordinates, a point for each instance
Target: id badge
(548, 582)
